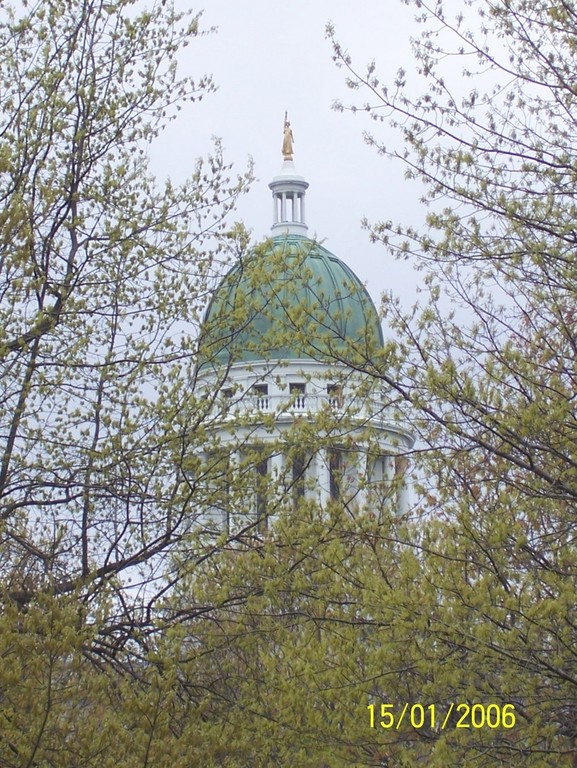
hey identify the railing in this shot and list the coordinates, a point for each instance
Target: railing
(303, 403)
(284, 403)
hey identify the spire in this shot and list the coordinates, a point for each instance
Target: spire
(288, 192)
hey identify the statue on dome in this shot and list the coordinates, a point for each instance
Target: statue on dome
(288, 139)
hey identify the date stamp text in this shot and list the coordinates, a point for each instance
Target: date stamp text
(391, 716)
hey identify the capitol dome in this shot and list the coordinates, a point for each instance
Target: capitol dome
(282, 352)
(290, 299)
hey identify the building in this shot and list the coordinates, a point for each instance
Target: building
(285, 340)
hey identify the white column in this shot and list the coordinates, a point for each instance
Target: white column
(403, 488)
(364, 471)
(323, 476)
(276, 466)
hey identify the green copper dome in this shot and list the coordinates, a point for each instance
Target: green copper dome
(290, 299)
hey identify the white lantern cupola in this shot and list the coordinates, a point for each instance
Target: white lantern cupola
(288, 192)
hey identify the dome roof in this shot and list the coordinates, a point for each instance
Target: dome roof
(290, 299)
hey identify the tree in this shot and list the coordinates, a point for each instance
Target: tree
(488, 365)
(302, 630)
(103, 274)
(57, 707)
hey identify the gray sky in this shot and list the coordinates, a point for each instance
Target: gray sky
(268, 57)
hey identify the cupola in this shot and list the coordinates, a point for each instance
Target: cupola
(288, 192)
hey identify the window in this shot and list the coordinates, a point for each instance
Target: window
(260, 394)
(335, 395)
(226, 396)
(401, 466)
(380, 470)
(297, 392)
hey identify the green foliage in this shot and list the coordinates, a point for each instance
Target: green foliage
(488, 366)
(128, 638)
(307, 627)
(103, 273)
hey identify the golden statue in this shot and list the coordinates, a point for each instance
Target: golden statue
(288, 139)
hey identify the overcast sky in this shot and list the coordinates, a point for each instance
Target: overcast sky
(267, 57)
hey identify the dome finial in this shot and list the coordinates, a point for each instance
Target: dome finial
(287, 140)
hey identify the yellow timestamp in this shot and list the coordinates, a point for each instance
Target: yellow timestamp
(391, 716)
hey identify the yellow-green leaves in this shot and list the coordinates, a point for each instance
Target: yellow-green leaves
(103, 273)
